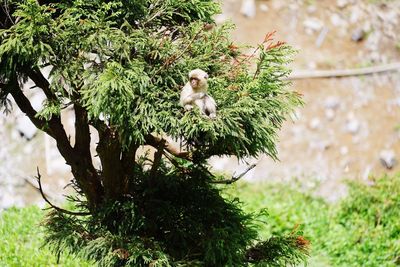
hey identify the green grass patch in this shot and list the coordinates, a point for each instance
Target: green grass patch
(362, 230)
(22, 241)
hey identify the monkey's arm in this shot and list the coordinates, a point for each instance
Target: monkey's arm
(189, 98)
(194, 97)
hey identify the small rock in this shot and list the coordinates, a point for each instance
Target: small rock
(9, 199)
(344, 150)
(375, 57)
(396, 102)
(330, 114)
(358, 35)
(277, 5)
(312, 65)
(342, 3)
(390, 16)
(352, 126)
(311, 9)
(264, 7)
(313, 25)
(367, 26)
(315, 124)
(248, 8)
(356, 14)
(332, 102)
(320, 145)
(388, 159)
(337, 21)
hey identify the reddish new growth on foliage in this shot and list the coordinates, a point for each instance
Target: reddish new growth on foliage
(268, 36)
(243, 59)
(269, 39)
(267, 44)
(302, 243)
(275, 45)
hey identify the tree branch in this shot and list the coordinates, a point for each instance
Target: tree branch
(157, 158)
(25, 105)
(235, 178)
(109, 151)
(99, 125)
(129, 155)
(38, 177)
(82, 132)
(81, 165)
(40, 81)
(53, 127)
(128, 164)
(155, 141)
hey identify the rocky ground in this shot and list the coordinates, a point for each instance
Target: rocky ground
(348, 128)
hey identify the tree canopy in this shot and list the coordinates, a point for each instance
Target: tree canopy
(121, 65)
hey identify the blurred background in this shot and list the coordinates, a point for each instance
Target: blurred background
(348, 128)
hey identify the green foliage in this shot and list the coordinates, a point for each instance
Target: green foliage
(128, 59)
(361, 230)
(121, 64)
(172, 224)
(290, 209)
(22, 241)
(371, 216)
(50, 109)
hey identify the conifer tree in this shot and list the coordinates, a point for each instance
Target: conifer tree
(120, 65)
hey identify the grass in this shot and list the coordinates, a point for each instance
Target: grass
(21, 241)
(362, 230)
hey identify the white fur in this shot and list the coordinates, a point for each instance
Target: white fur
(198, 95)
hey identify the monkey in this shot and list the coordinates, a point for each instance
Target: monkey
(195, 93)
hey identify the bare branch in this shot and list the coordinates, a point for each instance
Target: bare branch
(80, 168)
(235, 178)
(82, 132)
(155, 141)
(24, 104)
(38, 177)
(53, 127)
(40, 81)
(128, 156)
(99, 125)
(157, 158)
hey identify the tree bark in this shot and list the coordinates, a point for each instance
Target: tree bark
(77, 157)
(109, 151)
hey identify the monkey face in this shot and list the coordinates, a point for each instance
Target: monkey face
(194, 82)
(198, 78)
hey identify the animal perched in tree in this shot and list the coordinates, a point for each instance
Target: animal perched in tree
(195, 93)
